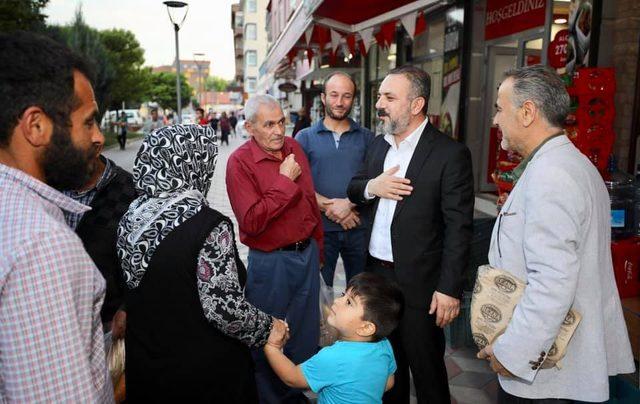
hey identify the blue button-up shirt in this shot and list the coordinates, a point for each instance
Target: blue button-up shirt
(334, 162)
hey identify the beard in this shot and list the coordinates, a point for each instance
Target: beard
(338, 117)
(398, 125)
(65, 166)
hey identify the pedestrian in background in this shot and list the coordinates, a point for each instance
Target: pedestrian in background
(233, 121)
(225, 129)
(302, 122)
(122, 136)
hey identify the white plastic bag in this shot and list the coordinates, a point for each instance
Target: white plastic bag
(328, 334)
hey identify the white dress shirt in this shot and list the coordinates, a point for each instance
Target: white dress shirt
(398, 155)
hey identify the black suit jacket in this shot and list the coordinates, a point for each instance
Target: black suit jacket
(431, 228)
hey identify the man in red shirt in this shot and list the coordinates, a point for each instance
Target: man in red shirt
(272, 195)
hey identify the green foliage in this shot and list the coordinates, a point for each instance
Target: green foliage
(163, 90)
(132, 80)
(215, 83)
(22, 14)
(87, 42)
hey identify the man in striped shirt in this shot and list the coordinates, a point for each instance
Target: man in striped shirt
(51, 340)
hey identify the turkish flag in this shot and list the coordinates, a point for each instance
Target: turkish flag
(421, 24)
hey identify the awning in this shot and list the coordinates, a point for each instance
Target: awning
(332, 15)
(319, 74)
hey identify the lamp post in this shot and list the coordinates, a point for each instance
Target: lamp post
(195, 55)
(175, 5)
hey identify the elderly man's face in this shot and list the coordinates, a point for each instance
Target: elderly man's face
(268, 128)
(394, 103)
(506, 117)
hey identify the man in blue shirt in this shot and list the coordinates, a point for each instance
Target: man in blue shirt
(336, 147)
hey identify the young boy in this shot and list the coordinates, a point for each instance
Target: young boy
(359, 367)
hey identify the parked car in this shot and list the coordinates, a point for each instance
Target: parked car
(134, 120)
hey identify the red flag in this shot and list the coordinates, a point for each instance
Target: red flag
(363, 49)
(380, 39)
(388, 32)
(292, 55)
(421, 24)
(323, 36)
(351, 43)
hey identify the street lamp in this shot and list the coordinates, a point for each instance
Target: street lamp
(175, 5)
(195, 55)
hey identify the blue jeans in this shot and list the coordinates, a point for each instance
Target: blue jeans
(350, 244)
(286, 285)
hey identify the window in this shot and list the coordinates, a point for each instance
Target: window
(250, 84)
(251, 6)
(251, 58)
(250, 32)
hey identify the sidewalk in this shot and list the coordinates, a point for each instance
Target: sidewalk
(470, 379)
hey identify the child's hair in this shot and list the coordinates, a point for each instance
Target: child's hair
(382, 299)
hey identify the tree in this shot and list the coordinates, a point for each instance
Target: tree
(22, 14)
(87, 42)
(215, 83)
(126, 57)
(162, 89)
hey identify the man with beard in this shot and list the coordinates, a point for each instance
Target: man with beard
(336, 147)
(51, 340)
(417, 186)
(108, 192)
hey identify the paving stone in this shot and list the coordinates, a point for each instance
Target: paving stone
(453, 369)
(466, 395)
(475, 380)
(472, 364)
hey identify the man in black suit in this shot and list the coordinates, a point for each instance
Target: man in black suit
(416, 185)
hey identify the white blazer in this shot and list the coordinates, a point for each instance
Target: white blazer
(554, 233)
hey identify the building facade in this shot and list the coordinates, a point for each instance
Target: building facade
(254, 42)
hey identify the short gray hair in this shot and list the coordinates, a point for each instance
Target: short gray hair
(544, 88)
(254, 103)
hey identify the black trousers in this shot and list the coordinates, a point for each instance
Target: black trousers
(506, 398)
(122, 139)
(418, 343)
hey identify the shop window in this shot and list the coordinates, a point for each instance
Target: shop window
(250, 32)
(434, 68)
(430, 43)
(386, 60)
(373, 62)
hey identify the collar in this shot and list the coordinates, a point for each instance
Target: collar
(43, 190)
(259, 154)
(320, 127)
(519, 169)
(412, 139)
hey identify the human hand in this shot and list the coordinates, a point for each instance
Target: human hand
(290, 167)
(496, 366)
(388, 186)
(279, 333)
(119, 324)
(445, 307)
(338, 209)
(351, 221)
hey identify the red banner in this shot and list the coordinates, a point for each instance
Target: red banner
(506, 17)
(557, 51)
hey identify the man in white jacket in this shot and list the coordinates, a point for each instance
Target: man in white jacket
(554, 233)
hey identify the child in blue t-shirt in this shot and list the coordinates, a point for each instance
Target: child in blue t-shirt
(359, 367)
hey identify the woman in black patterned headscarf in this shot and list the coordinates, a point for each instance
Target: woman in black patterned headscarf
(189, 328)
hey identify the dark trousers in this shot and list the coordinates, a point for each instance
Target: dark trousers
(286, 285)
(122, 139)
(506, 398)
(351, 245)
(418, 343)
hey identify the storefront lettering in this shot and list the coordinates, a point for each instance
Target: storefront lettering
(513, 10)
(506, 17)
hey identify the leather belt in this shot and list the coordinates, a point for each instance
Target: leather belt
(382, 263)
(297, 246)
